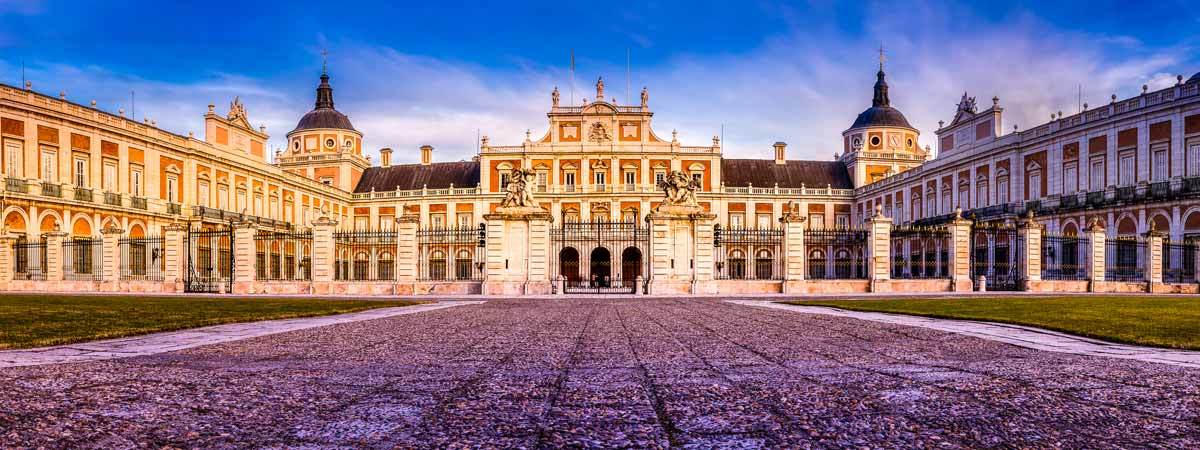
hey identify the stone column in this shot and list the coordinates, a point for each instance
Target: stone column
(323, 254)
(794, 257)
(1030, 232)
(174, 262)
(54, 255)
(675, 234)
(879, 249)
(1154, 258)
(6, 260)
(517, 252)
(112, 255)
(406, 252)
(1097, 240)
(960, 254)
(244, 261)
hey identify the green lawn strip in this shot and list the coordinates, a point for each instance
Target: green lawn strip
(1172, 322)
(42, 320)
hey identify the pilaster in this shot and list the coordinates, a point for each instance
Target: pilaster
(54, 255)
(244, 260)
(960, 256)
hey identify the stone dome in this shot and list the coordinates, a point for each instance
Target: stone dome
(323, 114)
(881, 113)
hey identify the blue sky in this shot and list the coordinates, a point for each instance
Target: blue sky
(435, 72)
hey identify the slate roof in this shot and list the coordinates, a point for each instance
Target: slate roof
(881, 116)
(415, 176)
(765, 173)
(1195, 77)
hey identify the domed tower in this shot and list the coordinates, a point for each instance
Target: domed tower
(881, 142)
(327, 133)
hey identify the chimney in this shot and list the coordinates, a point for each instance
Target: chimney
(426, 155)
(385, 157)
(780, 153)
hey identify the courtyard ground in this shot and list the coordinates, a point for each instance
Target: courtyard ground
(1162, 321)
(38, 320)
(605, 372)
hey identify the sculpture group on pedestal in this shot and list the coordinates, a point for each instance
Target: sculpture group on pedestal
(519, 192)
(679, 189)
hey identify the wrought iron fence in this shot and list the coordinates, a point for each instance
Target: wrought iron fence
(283, 256)
(585, 255)
(920, 252)
(836, 253)
(747, 253)
(364, 255)
(210, 262)
(1179, 262)
(142, 258)
(29, 260)
(1065, 257)
(83, 259)
(1125, 259)
(450, 253)
(997, 256)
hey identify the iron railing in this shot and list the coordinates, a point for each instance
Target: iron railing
(836, 253)
(364, 255)
(112, 199)
(920, 252)
(450, 253)
(1179, 262)
(137, 202)
(83, 194)
(747, 253)
(16, 185)
(29, 260)
(1125, 259)
(51, 189)
(1065, 257)
(83, 259)
(997, 256)
(281, 256)
(142, 258)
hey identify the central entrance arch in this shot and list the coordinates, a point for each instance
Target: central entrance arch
(631, 265)
(601, 265)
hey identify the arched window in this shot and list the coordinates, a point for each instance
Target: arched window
(437, 265)
(816, 265)
(763, 265)
(737, 264)
(386, 266)
(1001, 186)
(964, 194)
(463, 263)
(981, 191)
(947, 199)
(842, 264)
(362, 266)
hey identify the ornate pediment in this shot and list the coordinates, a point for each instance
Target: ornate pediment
(237, 114)
(966, 109)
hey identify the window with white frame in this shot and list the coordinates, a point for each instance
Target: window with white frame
(241, 200)
(947, 199)
(437, 220)
(1096, 174)
(258, 204)
(601, 178)
(135, 180)
(274, 211)
(13, 157)
(504, 180)
(915, 212)
(764, 220)
(629, 216)
(81, 171)
(1160, 162)
(698, 177)
(387, 222)
(465, 219)
(981, 191)
(172, 187)
(899, 211)
(964, 195)
(109, 173)
(1001, 187)
(1034, 175)
(1126, 165)
(223, 197)
(202, 193)
(737, 220)
(1193, 158)
(569, 179)
(362, 222)
(1070, 177)
(816, 221)
(659, 176)
(543, 180)
(842, 220)
(931, 203)
(49, 164)
(630, 177)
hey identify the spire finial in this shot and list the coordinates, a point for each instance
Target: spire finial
(325, 61)
(881, 57)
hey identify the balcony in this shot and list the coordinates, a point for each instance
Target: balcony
(112, 199)
(83, 194)
(1160, 189)
(1095, 198)
(51, 189)
(16, 185)
(137, 202)
(1069, 201)
(174, 208)
(1126, 193)
(230, 216)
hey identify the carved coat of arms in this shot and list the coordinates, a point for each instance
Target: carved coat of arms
(599, 133)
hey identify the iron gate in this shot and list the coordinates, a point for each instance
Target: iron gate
(600, 257)
(997, 256)
(209, 255)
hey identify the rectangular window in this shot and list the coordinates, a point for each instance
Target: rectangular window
(1125, 168)
(842, 220)
(1096, 174)
(659, 176)
(1035, 185)
(328, 181)
(699, 179)
(947, 200)
(504, 181)
(1002, 191)
(601, 178)
(630, 177)
(258, 203)
(1193, 159)
(1070, 177)
(737, 220)
(764, 221)
(241, 201)
(172, 188)
(222, 197)
(981, 194)
(1159, 168)
(362, 223)
(81, 170)
(465, 219)
(437, 220)
(569, 178)
(274, 212)
(202, 193)
(13, 152)
(543, 179)
(49, 165)
(110, 175)
(817, 221)
(135, 180)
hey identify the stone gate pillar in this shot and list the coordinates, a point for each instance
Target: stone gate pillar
(794, 258)
(323, 255)
(681, 251)
(879, 242)
(245, 262)
(1030, 232)
(6, 260)
(54, 255)
(111, 271)
(1096, 257)
(1154, 259)
(174, 254)
(960, 254)
(517, 252)
(406, 250)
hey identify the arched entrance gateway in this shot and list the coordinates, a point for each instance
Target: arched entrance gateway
(600, 239)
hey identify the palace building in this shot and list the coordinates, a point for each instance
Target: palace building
(596, 170)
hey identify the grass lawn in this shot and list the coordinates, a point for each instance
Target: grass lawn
(34, 320)
(1172, 322)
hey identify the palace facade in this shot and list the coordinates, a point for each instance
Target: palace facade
(1130, 166)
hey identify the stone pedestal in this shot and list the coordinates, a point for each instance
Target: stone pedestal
(245, 262)
(1030, 232)
(960, 254)
(6, 260)
(112, 256)
(174, 238)
(681, 251)
(879, 251)
(1097, 240)
(1154, 258)
(794, 257)
(54, 255)
(406, 252)
(323, 255)
(517, 254)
